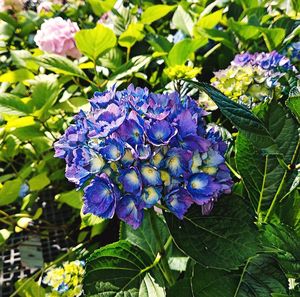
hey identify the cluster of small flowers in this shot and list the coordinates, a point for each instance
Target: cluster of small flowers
(65, 281)
(254, 78)
(293, 52)
(135, 149)
(57, 36)
(182, 71)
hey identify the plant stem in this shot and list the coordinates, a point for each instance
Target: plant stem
(290, 167)
(165, 268)
(259, 217)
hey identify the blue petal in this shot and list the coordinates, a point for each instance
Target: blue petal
(100, 198)
(130, 211)
(178, 202)
(150, 196)
(160, 133)
(150, 176)
(113, 150)
(131, 180)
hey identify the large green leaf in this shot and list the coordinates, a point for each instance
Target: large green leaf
(144, 237)
(95, 42)
(155, 12)
(99, 7)
(273, 37)
(72, 198)
(10, 191)
(181, 51)
(262, 175)
(244, 31)
(260, 277)
(11, 104)
(133, 33)
(284, 242)
(238, 114)
(223, 239)
(61, 65)
(293, 102)
(183, 21)
(117, 269)
(16, 76)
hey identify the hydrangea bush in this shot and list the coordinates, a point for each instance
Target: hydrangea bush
(135, 149)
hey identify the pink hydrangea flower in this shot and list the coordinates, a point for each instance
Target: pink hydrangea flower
(57, 36)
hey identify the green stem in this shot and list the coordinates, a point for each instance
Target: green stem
(233, 170)
(164, 265)
(271, 209)
(128, 54)
(259, 217)
(290, 167)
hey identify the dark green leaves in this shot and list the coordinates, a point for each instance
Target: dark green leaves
(238, 114)
(116, 270)
(224, 239)
(261, 174)
(260, 277)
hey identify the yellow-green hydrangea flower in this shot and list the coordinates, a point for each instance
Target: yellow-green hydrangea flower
(65, 281)
(248, 85)
(182, 71)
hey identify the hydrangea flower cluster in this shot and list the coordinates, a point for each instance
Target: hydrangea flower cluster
(57, 36)
(135, 149)
(65, 281)
(253, 78)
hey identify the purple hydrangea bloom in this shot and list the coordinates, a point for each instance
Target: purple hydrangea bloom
(269, 61)
(100, 197)
(134, 149)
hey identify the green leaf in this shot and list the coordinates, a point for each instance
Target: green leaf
(99, 7)
(133, 33)
(11, 104)
(223, 239)
(61, 65)
(156, 12)
(239, 115)
(4, 235)
(273, 37)
(16, 76)
(95, 42)
(260, 277)
(293, 102)
(72, 198)
(183, 21)
(211, 20)
(117, 269)
(144, 237)
(181, 51)
(44, 93)
(261, 174)
(89, 219)
(10, 191)
(149, 288)
(284, 242)
(183, 287)
(244, 31)
(39, 182)
(29, 288)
